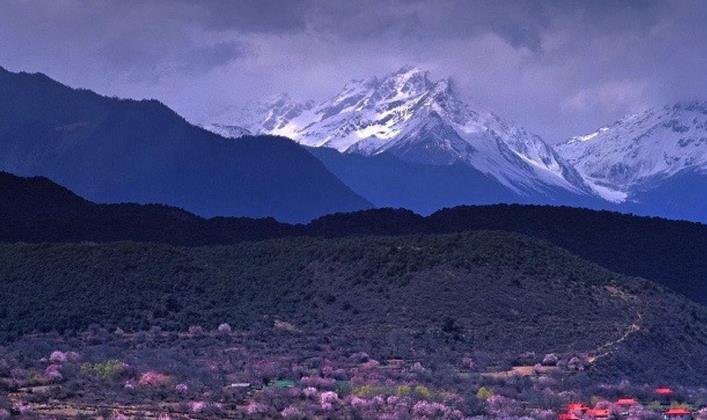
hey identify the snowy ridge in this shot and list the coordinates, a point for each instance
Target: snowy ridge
(419, 120)
(228, 131)
(641, 149)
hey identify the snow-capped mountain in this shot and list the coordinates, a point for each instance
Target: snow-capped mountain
(419, 120)
(642, 151)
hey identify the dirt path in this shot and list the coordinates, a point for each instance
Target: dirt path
(605, 349)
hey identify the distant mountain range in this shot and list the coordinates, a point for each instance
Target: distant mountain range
(418, 120)
(653, 161)
(113, 150)
(648, 163)
(403, 140)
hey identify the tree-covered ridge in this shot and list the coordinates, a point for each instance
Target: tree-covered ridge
(668, 252)
(496, 293)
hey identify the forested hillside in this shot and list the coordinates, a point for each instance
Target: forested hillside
(668, 252)
(498, 293)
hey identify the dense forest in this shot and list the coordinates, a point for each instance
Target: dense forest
(498, 293)
(668, 252)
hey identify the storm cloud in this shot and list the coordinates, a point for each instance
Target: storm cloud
(558, 67)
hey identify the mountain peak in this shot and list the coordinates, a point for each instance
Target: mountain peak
(408, 80)
(418, 119)
(409, 70)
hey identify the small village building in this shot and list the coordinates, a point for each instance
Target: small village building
(678, 414)
(572, 407)
(598, 413)
(664, 395)
(626, 402)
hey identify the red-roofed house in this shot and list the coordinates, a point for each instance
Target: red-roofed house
(626, 402)
(577, 407)
(678, 414)
(598, 413)
(569, 416)
(664, 391)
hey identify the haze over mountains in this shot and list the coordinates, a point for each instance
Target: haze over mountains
(440, 149)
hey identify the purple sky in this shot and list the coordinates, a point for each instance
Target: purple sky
(557, 67)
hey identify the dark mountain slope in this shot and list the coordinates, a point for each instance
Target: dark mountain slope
(387, 181)
(112, 150)
(682, 196)
(38, 210)
(668, 252)
(495, 293)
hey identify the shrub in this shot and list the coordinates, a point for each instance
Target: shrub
(343, 388)
(360, 403)
(468, 363)
(153, 379)
(196, 330)
(640, 413)
(57, 357)
(328, 399)
(284, 326)
(503, 407)
(197, 406)
(292, 412)
(550, 360)
(541, 414)
(431, 410)
(366, 390)
(484, 393)
(309, 392)
(265, 370)
(317, 382)
(370, 365)
(61, 357)
(403, 390)
(224, 328)
(255, 407)
(423, 392)
(282, 383)
(23, 408)
(53, 372)
(108, 370)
